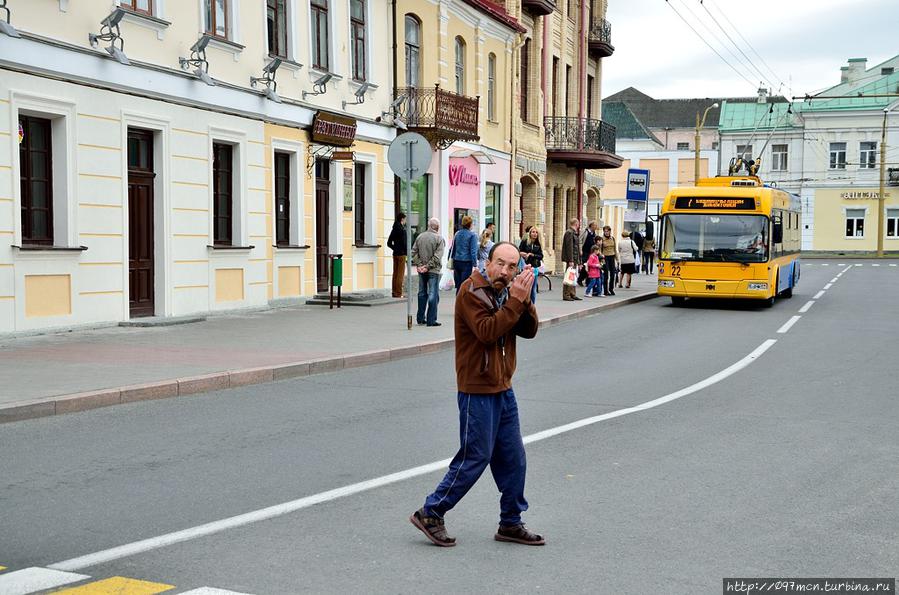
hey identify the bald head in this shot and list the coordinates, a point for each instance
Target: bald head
(502, 264)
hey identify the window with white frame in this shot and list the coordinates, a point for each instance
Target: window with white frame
(413, 51)
(744, 151)
(837, 155)
(460, 66)
(218, 18)
(892, 223)
(44, 173)
(276, 22)
(683, 146)
(228, 190)
(867, 154)
(855, 223)
(142, 6)
(491, 87)
(357, 39)
(320, 34)
(287, 157)
(778, 157)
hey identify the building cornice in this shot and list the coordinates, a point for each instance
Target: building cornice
(39, 56)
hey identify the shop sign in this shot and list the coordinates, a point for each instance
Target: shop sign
(348, 189)
(856, 195)
(342, 156)
(331, 129)
(459, 174)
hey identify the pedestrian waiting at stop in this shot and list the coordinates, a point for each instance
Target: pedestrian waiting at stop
(627, 258)
(586, 249)
(484, 246)
(397, 242)
(571, 256)
(464, 252)
(649, 255)
(594, 273)
(491, 311)
(532, 253)
(609, 251)
(427, 257)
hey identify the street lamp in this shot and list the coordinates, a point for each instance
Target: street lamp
(881, 198)
(699, 125)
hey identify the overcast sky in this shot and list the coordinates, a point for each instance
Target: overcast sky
(803, 41)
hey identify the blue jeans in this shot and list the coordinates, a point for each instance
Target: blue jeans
(594, 286)
(428, 296)
(461, 271)
(534, 288)
(489, 434)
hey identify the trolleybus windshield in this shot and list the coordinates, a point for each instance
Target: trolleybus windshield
(715, 238)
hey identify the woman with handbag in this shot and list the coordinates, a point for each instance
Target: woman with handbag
(532, 253)
(627, 256)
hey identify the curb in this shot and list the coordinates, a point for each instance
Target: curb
(192, 385)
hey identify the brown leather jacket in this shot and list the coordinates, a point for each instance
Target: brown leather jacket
(485, 336)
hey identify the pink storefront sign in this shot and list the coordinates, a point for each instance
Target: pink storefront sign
(464, 183)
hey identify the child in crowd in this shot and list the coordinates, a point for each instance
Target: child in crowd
(594, 273)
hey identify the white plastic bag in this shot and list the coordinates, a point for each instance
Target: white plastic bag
(446, 280)
(570, 277)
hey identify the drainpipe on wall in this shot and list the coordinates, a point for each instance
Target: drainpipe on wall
(395, 56)
(582, 97)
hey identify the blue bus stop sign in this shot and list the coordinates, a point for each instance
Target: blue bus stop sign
(637, 184)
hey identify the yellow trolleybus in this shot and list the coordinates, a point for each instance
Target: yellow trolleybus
(729, 237)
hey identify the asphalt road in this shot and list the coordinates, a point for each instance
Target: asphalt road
(787, 467)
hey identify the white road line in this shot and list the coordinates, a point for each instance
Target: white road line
(828, 286)
(875, 265)
(807, 306)
(262, 514)
(29, 580)
(834, 280)
(781, 330)
(846, 269)
(825, 264)
(859, 265)
(211, 591)
(842, 264)
(818, 295)
(892, 265)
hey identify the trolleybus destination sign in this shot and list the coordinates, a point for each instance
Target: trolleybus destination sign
(746, 203)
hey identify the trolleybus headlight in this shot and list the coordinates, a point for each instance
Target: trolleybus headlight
(758, 286)
(666, 283)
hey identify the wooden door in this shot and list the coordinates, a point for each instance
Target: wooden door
(141, 278)
(322, 222)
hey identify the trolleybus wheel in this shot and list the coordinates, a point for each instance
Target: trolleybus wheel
(677, 300)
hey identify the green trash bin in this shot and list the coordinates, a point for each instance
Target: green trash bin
(336, 261)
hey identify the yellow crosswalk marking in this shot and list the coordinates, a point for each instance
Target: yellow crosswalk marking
(117, 585)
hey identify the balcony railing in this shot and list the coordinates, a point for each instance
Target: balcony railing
(440, 116)
(599, 38)
(581, 142)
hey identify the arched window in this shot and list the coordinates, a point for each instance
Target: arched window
(413, 51)
(491, 87)
(460, 66)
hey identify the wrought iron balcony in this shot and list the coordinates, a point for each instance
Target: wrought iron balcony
(599, 38)
(440, 116)
(539, 7)
(581, 142)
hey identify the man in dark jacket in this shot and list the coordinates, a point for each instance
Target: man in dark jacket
(397, 242)
(490, 313)
(586, 249)
(571, 257)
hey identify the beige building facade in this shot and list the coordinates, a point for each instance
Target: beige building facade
(162, 158)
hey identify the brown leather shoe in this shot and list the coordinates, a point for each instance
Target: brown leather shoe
(433, 528)
(518, 534)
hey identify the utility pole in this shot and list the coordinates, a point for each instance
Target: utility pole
(881, 198)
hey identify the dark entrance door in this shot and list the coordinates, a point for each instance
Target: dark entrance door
(140, 223)
(322, 222)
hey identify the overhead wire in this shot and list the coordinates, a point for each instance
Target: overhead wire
(717, 53)
(739, 49)
(746, 41)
